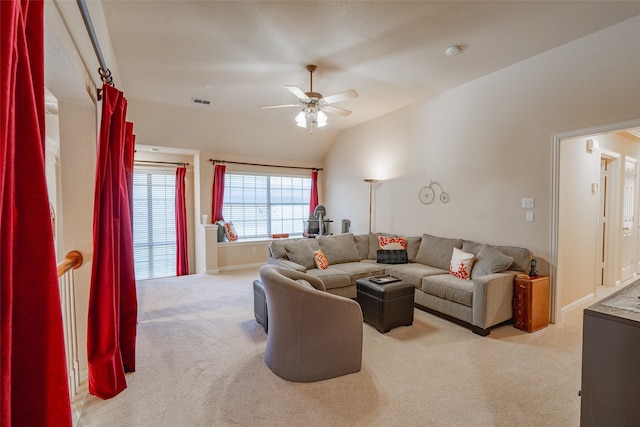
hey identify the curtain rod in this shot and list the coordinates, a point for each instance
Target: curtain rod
(162, 163)
(214, 161)
(105, 73)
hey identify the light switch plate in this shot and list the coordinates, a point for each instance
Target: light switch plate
(527, 203)
(529, 216)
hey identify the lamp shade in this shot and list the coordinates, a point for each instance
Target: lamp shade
(322, 119)
(310, 117)
(301, 119)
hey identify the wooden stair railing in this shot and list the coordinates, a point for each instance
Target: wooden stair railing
(66, 286)
(72, 260)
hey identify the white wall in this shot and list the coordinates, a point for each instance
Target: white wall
(578, 221)
(488, 142)
(77, 166)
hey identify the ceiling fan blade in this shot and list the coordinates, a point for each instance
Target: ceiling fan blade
(297, 92)
(347, 94)
(280, 106)
(335, 110)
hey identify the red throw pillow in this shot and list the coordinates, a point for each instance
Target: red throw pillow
(230, 230)
(321, 260)
(387, 243)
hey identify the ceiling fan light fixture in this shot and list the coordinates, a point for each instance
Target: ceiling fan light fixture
(311, 117)
(311, 114)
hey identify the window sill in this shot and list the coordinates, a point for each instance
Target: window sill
(241, 242)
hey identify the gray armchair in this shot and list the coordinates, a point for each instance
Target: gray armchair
(313, 335)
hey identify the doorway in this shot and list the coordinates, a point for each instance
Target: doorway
(607, 273)
(568, 252)
(628, 254)
(601, 268)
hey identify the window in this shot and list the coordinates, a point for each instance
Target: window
(154, 223)
(262, 205)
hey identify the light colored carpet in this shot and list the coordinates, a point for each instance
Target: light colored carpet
(200, 363)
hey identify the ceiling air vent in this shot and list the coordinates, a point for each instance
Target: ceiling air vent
(199, 101)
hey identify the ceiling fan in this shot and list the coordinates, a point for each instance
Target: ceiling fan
(314, 104)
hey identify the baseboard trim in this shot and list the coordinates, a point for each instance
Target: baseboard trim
(241, 267)
(78, 401)
(574, 304)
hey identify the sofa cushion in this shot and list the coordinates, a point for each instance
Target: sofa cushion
(472, 247)
(277, 248)
(413, 244)
(436, 251)
(321, 260)
(521, 257)
(331, 277)
(301, 252)
(412, 272)
(490, 260)
(461, 264)
(374, 245)
(450, 288)
(339, 248)
(362, 243)
(358, 270)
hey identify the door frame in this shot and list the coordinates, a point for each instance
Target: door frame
(632, 246)
(612, 239)
(556, 139)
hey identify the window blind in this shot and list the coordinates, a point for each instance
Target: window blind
(261, 205)
(154, 223)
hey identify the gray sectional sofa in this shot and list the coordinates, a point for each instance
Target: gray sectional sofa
(480, 302)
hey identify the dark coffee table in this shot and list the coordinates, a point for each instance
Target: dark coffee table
(386, 305)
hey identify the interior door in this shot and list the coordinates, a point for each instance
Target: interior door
(601, 271)
(628, 253)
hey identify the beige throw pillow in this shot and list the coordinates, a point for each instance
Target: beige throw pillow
(461, 264)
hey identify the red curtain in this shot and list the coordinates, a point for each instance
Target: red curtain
(218, 193)
(129, 154)
(182, 255)
(128, 294)
(314, 192)
(111, 335)
(34, 377)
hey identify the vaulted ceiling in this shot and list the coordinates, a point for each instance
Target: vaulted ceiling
(240, 54)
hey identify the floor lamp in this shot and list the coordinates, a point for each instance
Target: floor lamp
(371, 182)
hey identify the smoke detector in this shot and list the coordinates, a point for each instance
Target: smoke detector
(454, 50)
